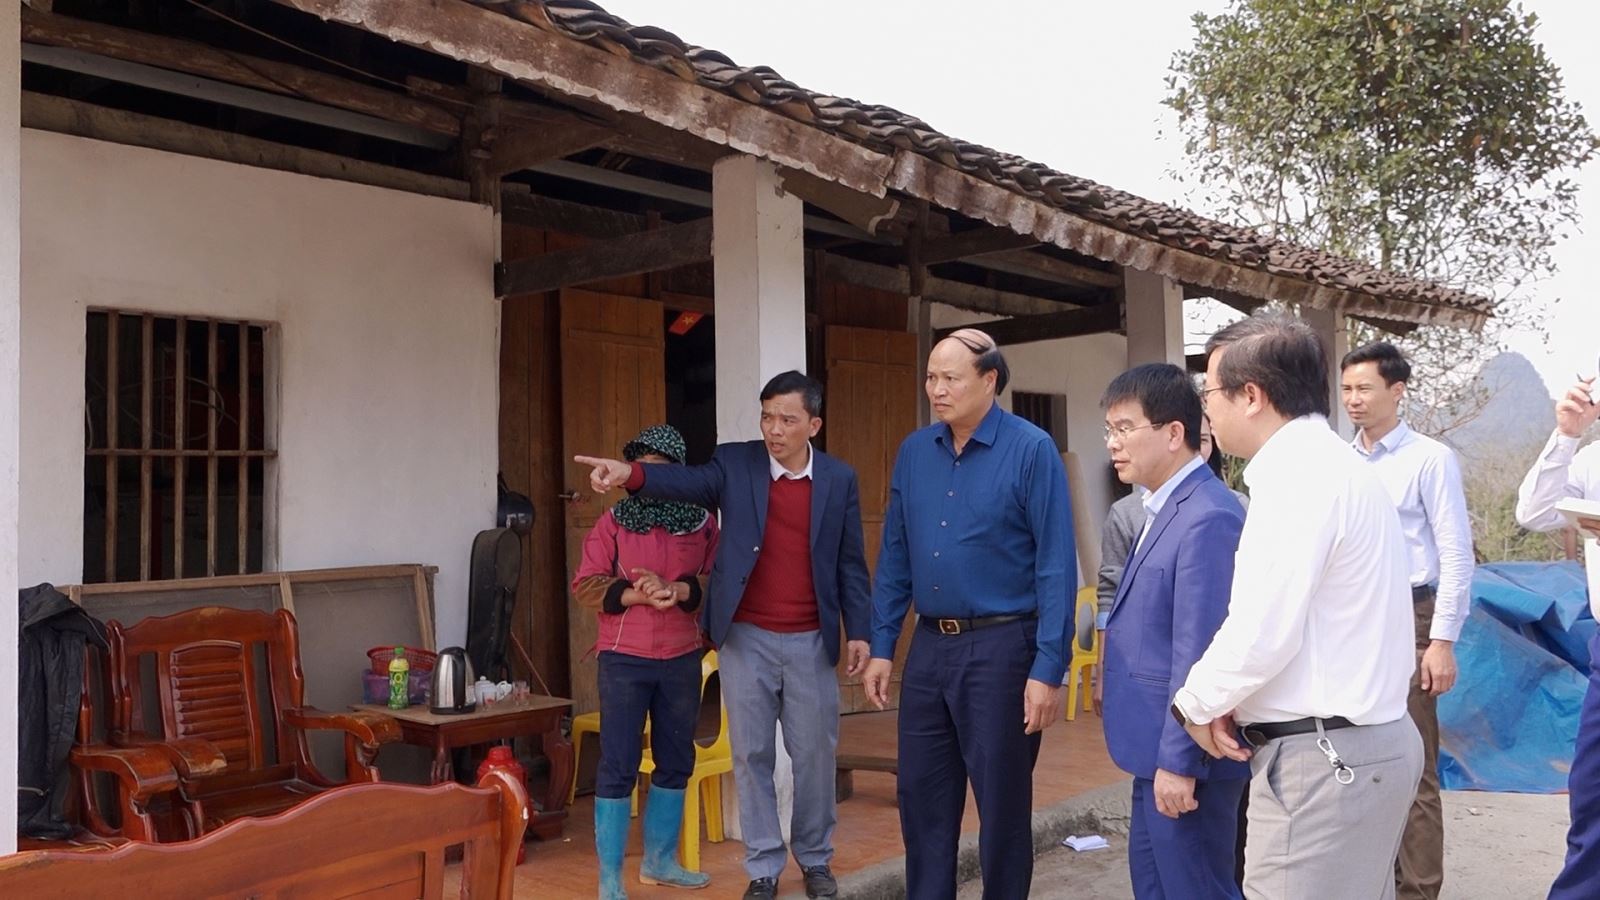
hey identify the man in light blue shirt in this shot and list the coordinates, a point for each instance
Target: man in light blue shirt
(1424, 480)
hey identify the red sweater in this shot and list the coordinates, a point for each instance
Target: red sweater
(780, 595)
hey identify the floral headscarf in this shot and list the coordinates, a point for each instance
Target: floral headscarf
(640, 514)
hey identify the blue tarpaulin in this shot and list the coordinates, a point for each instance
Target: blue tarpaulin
(1511, 722)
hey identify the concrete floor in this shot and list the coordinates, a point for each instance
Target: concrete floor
(1072, 761)
(1501, 846)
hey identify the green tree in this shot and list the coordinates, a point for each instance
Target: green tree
(1429, 137)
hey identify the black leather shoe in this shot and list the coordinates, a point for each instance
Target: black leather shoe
(762, 889)
(820, 882)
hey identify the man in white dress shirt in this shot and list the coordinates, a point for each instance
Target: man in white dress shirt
(1314, 659)
(1562, 470)
(1424, 481)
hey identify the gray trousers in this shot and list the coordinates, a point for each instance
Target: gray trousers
(770, 678)
(1312, 837)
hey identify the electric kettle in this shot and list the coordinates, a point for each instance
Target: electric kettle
(452, 683)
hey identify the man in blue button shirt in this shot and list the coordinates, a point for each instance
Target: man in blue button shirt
(979, 536)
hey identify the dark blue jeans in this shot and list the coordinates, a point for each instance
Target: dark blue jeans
(632, 687)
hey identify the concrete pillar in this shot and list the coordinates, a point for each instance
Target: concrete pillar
(10, 405)
(758, 254)
(1333, 329)
(1154, 305)
(759, 260)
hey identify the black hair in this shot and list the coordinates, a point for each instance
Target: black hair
(1391, 362)
(1214, 461)
(792, 382)
(1279, 354)
(1164, 392)
(989, 358)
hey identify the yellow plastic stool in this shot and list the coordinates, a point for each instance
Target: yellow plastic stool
(711, 761)
(589, 723)
(1084, 659)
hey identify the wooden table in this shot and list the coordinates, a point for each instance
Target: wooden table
(537, 715)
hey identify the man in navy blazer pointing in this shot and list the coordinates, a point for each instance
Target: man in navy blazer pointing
(1172, 598)
(790, 568)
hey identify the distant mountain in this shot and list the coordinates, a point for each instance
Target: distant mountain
(1518, 411)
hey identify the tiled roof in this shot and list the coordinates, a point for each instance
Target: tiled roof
(887, 130)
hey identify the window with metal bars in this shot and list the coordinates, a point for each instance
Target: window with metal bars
(178, 447)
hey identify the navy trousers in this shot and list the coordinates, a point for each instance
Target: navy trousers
(1580, 877)
(961, 719)
(632, 687)
(1190, 857)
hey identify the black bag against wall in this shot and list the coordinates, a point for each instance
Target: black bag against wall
(53, 634)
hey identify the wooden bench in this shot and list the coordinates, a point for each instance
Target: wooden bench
(367, 840)
(845, 764)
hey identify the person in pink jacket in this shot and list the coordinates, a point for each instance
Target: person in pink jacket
(644, 571)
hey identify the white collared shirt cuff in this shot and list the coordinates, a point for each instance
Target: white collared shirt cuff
(1562, 448)
(1191, 707)
(1445, 630)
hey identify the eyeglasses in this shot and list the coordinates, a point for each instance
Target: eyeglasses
(1204, 393)
(1119, 433)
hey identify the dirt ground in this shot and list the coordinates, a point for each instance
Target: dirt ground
(1505, 846)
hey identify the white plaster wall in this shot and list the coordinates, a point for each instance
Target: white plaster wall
(386, 334)
(1078, 367)
(10, 341)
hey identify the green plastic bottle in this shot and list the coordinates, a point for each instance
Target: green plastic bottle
(399, 678)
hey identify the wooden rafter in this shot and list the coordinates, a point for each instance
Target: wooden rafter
(1050, 326)
(548, 61)
(959, 294)
(524, 148)
(45, 112)
(977, 242)
(206, 61)
(634, 254)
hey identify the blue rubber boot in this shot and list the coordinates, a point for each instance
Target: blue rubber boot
(611, 818)
(663, 817)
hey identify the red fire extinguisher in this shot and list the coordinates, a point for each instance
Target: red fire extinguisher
(501, 757)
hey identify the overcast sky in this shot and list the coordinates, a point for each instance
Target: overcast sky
(1078, 86)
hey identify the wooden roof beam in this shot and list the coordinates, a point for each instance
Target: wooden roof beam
(633, 254)
(190, 57)
(961, 295)
(1050, 326)
(552, 62)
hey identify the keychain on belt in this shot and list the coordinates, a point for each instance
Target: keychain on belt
(1341, 772)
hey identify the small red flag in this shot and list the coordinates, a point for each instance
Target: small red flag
(685, 322)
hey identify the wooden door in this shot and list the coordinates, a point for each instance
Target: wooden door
(873, 392)
(613, 384)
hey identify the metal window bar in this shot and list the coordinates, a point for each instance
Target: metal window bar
(243, 485)
(211, 458)
(147, 463)
(113, 344)
(180, 436)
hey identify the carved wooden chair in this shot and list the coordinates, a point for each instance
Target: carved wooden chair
(231, 678)
(141, 775)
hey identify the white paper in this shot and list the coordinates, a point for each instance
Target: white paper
(1583, 515)
(1085, 843)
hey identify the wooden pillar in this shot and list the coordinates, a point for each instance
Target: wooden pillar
(10, 405)
(1333, 330)
(1154, 317)
(758, 256)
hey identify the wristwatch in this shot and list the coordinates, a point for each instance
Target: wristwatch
(1177, 713)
